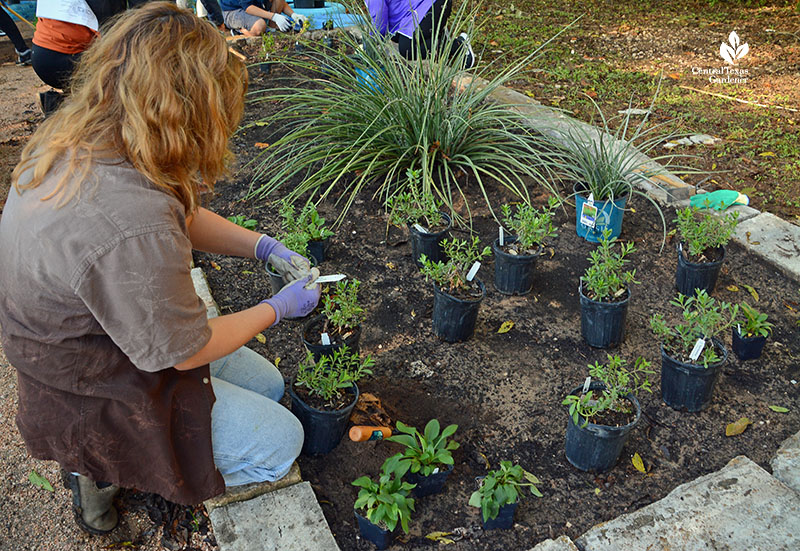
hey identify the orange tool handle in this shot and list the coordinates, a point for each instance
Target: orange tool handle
(361, 433)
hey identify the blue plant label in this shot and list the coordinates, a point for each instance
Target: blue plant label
(697, 350)
(588, 215)
(502, 237)
(326, 340)
(473, 271)
(586, 384)
(420, 229)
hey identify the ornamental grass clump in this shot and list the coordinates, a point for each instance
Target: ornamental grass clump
(703, 318)
(606, 279)
(362, 117)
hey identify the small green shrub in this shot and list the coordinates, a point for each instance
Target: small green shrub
(341, 307)
(619, 381)
(702, 318)
(424, 452)
(247, 223)
(753, 323)
(530, 225)
(502, 487)
(605, 278)
(386, 502)
(451, 276)
(307, 221)
(415, 205)
(703, 231)
(331, 375)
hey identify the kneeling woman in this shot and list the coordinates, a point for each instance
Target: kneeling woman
(97, 308)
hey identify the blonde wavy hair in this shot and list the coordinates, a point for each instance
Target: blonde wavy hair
(160, 90)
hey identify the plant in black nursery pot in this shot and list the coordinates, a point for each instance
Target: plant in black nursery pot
(267, 47)
(324, 393)
(309, 223)
(515, 257)
(499, 493)
(457, 295)
(418, 209)
(605, 293)
(701, 249)
(691, 352)
(750, 333)
(294, 241)
(603, 413)
(340, 322)
(426, 460)
(385, 504)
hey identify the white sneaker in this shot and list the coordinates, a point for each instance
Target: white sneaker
(469, 58)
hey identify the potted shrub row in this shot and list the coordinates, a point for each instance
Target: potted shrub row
(515, 256)
(324, 393)
(750, 333)
(499, 492)
(602, 413)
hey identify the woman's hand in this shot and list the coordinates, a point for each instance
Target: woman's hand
(290, 265)
(296, 299)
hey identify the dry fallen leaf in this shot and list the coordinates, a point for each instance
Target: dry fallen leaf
(261, 145)
(441, 537)
(215, 265)
(732, 288)
(261, 338)
(752, 292)
(779, 409)
(767, 154)
(506, 327)
(638, 463)
(391, 266)
(737, 427)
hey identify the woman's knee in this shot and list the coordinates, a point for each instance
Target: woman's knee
(259, 27)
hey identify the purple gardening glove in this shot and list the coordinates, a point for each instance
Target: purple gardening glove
(296, 299)
(290, 265)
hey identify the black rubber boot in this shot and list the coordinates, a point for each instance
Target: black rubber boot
(92, 505)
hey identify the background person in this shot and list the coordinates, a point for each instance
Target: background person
(250, 17)
(98, 312)
(412, 24)
(10, 29)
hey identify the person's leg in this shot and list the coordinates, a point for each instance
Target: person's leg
(8, 26)
(421, 43)
(54, 68)
(214, 12)
(248, 25)
(255, 439)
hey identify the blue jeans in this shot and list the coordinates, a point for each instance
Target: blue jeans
(255, 439)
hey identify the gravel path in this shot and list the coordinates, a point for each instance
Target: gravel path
(32, 518)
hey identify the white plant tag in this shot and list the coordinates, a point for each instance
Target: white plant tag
(502, 236)
(590, 199)
(586, 384)
(473, 270)
(436, 470)
(697, 350)
(326, 340)
(739, 328)
(588, 214)
(420, 229)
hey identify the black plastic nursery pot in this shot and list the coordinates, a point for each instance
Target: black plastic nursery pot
(265, 68)
(597, 447)
(454, 318)
(319, 350)
(429, 244)
(374, 533)
(323, 429)
(318, 248)
(747, 348)
(689, 386)
(603, 323)
(429, 485)
(304, 4)
(513, 274)
(691, 276)
(504, 519)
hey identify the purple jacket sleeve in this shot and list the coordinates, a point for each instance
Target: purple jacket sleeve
(379, 11)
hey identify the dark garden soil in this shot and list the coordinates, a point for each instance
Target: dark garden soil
(505, 390)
